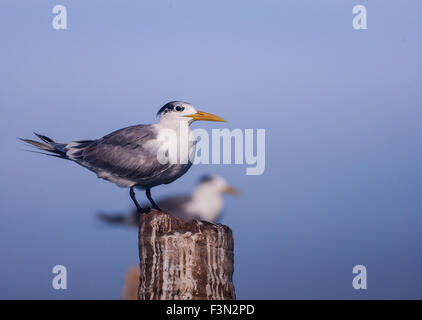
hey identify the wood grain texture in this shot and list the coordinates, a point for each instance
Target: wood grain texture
(187, 260)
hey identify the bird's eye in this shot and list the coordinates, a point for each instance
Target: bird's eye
(179, 108)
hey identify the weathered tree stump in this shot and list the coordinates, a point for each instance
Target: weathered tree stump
(184, 259)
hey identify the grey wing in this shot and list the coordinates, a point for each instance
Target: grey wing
(175, 206)
(121, 156)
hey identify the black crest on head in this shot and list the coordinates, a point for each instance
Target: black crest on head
(170, 107)
(206, 178)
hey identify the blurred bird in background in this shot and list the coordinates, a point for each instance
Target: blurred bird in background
(205, 203)
(128, 157)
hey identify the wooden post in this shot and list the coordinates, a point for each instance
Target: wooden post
(131, 284)
(188, 260)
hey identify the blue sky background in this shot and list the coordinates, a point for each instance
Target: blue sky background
(341, 109)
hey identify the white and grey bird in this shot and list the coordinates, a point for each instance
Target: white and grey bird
(205, 203)
(128, 157)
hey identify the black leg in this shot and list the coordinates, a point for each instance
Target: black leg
(153, 204)
(132, 196)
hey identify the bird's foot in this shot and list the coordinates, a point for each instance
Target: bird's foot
(142, 210)
(156, 208)
(148, 209)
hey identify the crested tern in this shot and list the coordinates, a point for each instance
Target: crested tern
(128, 157)
(206, 203)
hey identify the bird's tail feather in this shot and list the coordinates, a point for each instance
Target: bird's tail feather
(131, 219)
(48, 144)
(114, 219)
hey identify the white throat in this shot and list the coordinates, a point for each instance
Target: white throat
(206, 204)
(176, 140)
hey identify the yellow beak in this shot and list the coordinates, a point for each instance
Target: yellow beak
(200, 115)
(231, 190)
